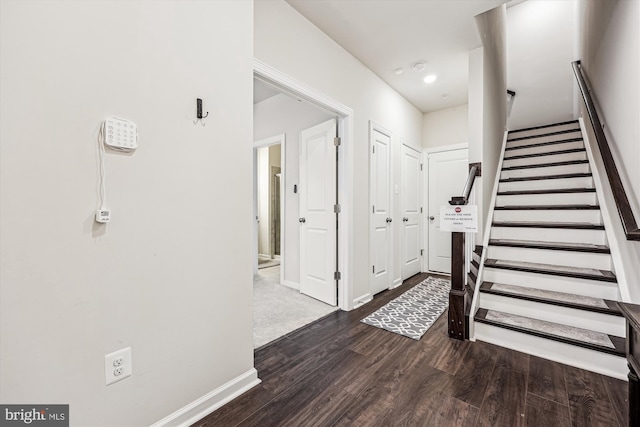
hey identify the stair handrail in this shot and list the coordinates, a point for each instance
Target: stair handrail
(629, 223)
(458, 324)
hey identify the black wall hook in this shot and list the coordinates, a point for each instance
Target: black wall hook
(199, 109)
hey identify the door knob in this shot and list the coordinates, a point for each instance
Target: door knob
(405, 219)
(389, 220)
(302, 220)
(432, 218)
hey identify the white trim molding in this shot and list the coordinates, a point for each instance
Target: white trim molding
(203, 406)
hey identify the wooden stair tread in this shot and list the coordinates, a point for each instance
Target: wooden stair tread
(546, 153)
(565, 225)
(557, 246)
(543, 135)
(553, 331)
(546, 207)
(548, 191)
(554, 270)
(544, 126)
(562, 299)
(547, 165)
(542, 144)
(543, 177)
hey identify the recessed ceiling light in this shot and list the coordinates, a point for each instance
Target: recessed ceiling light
(399, 71)
(419, 66)
(430, 78)
(444, 96)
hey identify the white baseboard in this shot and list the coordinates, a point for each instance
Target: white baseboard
(290, 284)
(362, 300)
(211, 401)
(396, 283)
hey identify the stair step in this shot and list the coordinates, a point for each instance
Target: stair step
(554, 246)
(547, 126)
(558, 143)
(538, 178)
(547, 165)
(598, 305)
(541, 135)
(565, 225)
(553, 157)
(549, 216)
(548, 207)
(549, 191)
(554, 270)
(546, 153)
(553, 331)
(545, 170)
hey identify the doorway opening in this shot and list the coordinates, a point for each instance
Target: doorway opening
(288, 172)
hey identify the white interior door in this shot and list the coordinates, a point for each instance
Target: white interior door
(317, 216)
(448, 172)
(381, 241)
(410, 202)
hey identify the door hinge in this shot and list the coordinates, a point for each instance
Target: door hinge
(337, 275)
(336, 208)
(420, 210)
(420, 166)
(373, 209)
(373, 267)
(421, 252)
(374, 149)
(337, 141)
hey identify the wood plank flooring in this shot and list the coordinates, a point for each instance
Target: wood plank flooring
(340, 372)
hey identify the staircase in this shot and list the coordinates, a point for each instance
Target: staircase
(548, 287)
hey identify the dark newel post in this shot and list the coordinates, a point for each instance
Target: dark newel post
(634, 398)
(458, 292)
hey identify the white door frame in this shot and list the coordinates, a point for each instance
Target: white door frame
(267, 142)
(373, 126)
(344, 114)
(425, 188)
(421, 202)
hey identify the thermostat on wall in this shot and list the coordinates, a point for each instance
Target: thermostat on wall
(120, 134)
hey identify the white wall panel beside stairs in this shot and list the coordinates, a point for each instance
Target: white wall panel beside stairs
(548, 287)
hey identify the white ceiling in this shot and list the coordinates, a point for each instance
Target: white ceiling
(388, 34)
(262, 91)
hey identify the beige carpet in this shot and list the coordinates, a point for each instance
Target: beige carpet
(279, 310)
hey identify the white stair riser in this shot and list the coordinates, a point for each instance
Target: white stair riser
(566, 157)
(554, 257)
(596, 237)
(569, 285)
(545, 171)
(547, 184)
(583, 358)
(544, 130)
(593, 321)
(547, 199)
(591, 216)
(524, 150)
(541, 139)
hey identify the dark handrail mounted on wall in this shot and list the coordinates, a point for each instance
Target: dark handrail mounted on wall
(459, 294)
(620, 196)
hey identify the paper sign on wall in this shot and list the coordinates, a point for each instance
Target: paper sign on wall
(459, 218)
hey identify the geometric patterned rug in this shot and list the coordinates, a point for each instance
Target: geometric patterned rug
(413, 312)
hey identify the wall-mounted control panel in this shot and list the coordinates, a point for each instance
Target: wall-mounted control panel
(120, 134)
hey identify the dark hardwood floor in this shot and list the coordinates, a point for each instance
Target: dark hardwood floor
(340, 372)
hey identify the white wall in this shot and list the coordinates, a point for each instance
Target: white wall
(282, 114)
(609, 44)
(288, 42)
(488, 102)
(172, 269)
(540, 48)
(446, 127)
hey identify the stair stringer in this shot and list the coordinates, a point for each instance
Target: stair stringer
(625, 254)
(485, 240)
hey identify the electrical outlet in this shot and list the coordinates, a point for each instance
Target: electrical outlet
(118, 365)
